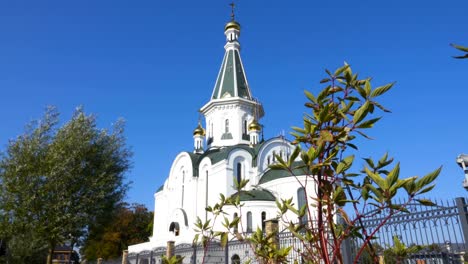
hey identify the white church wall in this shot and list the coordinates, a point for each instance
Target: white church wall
(288, 188)
(271, 147)
(244, 158)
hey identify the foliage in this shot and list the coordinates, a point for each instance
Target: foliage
(172, 260)
(399, 251)
(128, 225)
(340, 113)
(461, 48)
(57, 181)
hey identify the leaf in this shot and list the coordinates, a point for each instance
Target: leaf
(381, 107)
(426, 202)
(461, 48)
(326, 136)
(294, 155)
(344, 164)
(377, 179)
(310, 96)
(370, 162)
(382, 89)
(341, 70)
(223, 239)
(427, 189)
(392, 176)
(429, 178)
(367, 88)
(369, 123)
(361, 113)
(339, 196)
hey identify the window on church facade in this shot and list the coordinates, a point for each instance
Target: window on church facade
(263, 221)
(236, 227)
(274, 156)
(226, 126)
(244, 127)
(249, 222)
(174, 227)
(302, 201)
(239, 172)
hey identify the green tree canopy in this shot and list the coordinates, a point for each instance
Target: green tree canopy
(128, 225)
(58, 180)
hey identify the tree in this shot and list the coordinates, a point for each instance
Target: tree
(340, 113)
(57, 181)
(128, 225)
(461, 48)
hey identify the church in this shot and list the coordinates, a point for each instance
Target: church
(228, 148)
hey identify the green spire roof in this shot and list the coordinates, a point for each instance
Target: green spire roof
(231, 81)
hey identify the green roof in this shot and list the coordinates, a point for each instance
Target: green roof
(160, 188)
(231, 81)
(255, 195)
(271, 175)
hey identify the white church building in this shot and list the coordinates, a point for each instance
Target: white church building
(230, 146)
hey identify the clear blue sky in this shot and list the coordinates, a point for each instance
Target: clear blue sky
(154, 63)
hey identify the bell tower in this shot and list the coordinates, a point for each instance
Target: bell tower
(231, 108)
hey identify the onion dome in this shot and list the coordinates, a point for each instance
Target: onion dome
(232, 24)
(254, 126)
(199, 131)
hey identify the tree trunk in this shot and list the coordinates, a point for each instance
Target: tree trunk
(50, 253)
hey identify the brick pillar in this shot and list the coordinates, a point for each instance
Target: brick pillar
(271, 227)
(271, 230)
(170, 249)
(125, 257)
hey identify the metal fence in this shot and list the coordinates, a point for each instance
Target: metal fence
(442, 231)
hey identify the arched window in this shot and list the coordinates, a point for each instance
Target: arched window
(239, 173)
(263, 221)
(274, 156)
(268, 160)
(249, 222)
(226, 126)
(236, 227)
(235, 259)
(244, 127)
(302, 201)
(174, 227)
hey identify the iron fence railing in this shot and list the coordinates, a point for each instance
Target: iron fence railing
(442, 231)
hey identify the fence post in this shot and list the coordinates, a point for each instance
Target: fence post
(463, 215)
(226, 254)
(125, 257)
(170, 249)
(194, 258)
(271, 229)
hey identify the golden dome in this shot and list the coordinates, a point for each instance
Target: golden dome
(199, 131)
(254, 126)
(232, 24)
